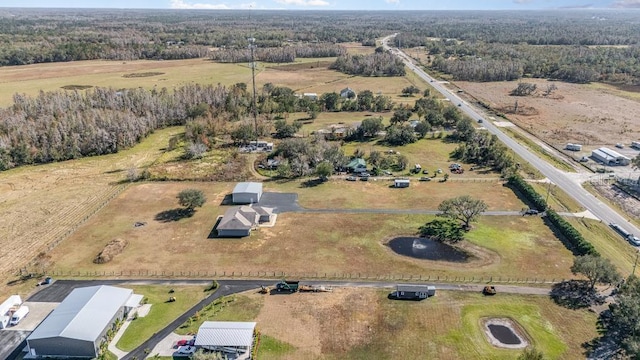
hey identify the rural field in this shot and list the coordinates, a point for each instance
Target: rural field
(593, 115)
(351, 323)
(314, 243)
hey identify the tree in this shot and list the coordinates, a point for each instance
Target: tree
(285, 130)
(370, 127)
(410, 90)
(531, 353)
(463, 208)
(400, 135)
(191, 199)
(443, 230)
(201, 355)
(624, 323)
(524, 89)
(324, 170)
(597, 269)
(422, 128)
(636, 162)
(195, 150)
(243, 134)
(401, 115)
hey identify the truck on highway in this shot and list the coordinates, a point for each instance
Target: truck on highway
(19, 315)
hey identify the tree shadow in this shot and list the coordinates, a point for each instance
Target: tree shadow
(174, 215)
(575, 294)
(311, 183)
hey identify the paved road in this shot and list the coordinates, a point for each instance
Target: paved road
(601, 210)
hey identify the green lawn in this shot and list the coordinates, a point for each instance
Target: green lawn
(162, 312)
(228, 308)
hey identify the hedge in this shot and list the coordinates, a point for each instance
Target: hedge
(528, 192)
(574, 240)
(576, 243)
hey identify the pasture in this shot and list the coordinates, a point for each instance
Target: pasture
(314, 243)
(360, 323)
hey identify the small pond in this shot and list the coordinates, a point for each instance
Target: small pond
(423, 248)
(504, 334)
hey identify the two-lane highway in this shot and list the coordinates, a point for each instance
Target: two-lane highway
(601, 210)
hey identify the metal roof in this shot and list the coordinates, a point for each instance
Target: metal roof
(225, 333)
(83, 314)
(234, 219)
(248, 187)
(613, 153)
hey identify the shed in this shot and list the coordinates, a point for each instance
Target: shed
(413, 292)
(247, 193)
(12, 303)
(226, 336)
(401, 183)
(80, 323)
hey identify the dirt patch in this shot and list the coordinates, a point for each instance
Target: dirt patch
(592, 114)
(320, 323)
(627, 203)
(76, 87)
(111, 250)
(143, 74)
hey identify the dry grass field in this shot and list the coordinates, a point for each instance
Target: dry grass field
(361, 323)
(594, 114)
(299, 243)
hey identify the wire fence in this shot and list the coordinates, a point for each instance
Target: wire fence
(277, 275)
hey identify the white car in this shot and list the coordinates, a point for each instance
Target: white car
(634, 240)
(186, 350)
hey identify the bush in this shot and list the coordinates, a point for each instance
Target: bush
(575, 242)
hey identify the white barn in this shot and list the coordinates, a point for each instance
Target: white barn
(610, 157)
(77, 327)
(226, 336)
(247, 193)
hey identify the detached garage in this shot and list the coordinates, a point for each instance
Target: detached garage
(247, 193)
(77, 327)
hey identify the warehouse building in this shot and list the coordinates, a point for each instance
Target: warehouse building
(609, 157)
(247, 193)
(77, 327)
(228, 337)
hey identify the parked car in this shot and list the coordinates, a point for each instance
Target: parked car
(387, 172)
(425, 171)
(489, 290)
(424, 178)
(480, 121)
(620, 146)
(187, 350)
(351, 178)
(364, 178)
(531, 212)
(186, 342)
(364, 175)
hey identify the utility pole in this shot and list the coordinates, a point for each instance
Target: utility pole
(253, 79)
(546, 200)
(633, 273)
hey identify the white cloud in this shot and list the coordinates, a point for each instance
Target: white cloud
(392, 1)
(303, 2)
(181, 4)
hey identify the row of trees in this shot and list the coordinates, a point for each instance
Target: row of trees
(281, 54)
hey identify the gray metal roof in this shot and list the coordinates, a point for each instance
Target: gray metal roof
(83, 314)
(413, 288)
(248, 187)
(225, 333)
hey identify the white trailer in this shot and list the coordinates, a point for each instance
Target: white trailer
(19, 315)
(574, 147)
(13, 302)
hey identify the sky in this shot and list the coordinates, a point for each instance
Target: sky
(331, 4)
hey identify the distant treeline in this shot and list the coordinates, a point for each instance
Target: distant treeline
(283, 54)
(30, 36)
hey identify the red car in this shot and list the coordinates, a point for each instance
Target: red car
(185, 342)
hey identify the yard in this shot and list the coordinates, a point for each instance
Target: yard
(359, 323)
(338, 244)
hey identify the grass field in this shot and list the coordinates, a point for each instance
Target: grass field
(339, 243)
(558, 199)
(362, 323)
(162, 312)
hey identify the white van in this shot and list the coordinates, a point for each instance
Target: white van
(19, 315)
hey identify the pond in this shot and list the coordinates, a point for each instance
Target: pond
(505, 333)
(423, 248)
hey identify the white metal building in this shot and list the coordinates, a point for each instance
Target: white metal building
(247, 193)
(401, 183)
(609, 157)
(12, 303)
(77, 327)
(226, 336)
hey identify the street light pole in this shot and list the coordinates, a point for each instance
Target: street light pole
(253, 80)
